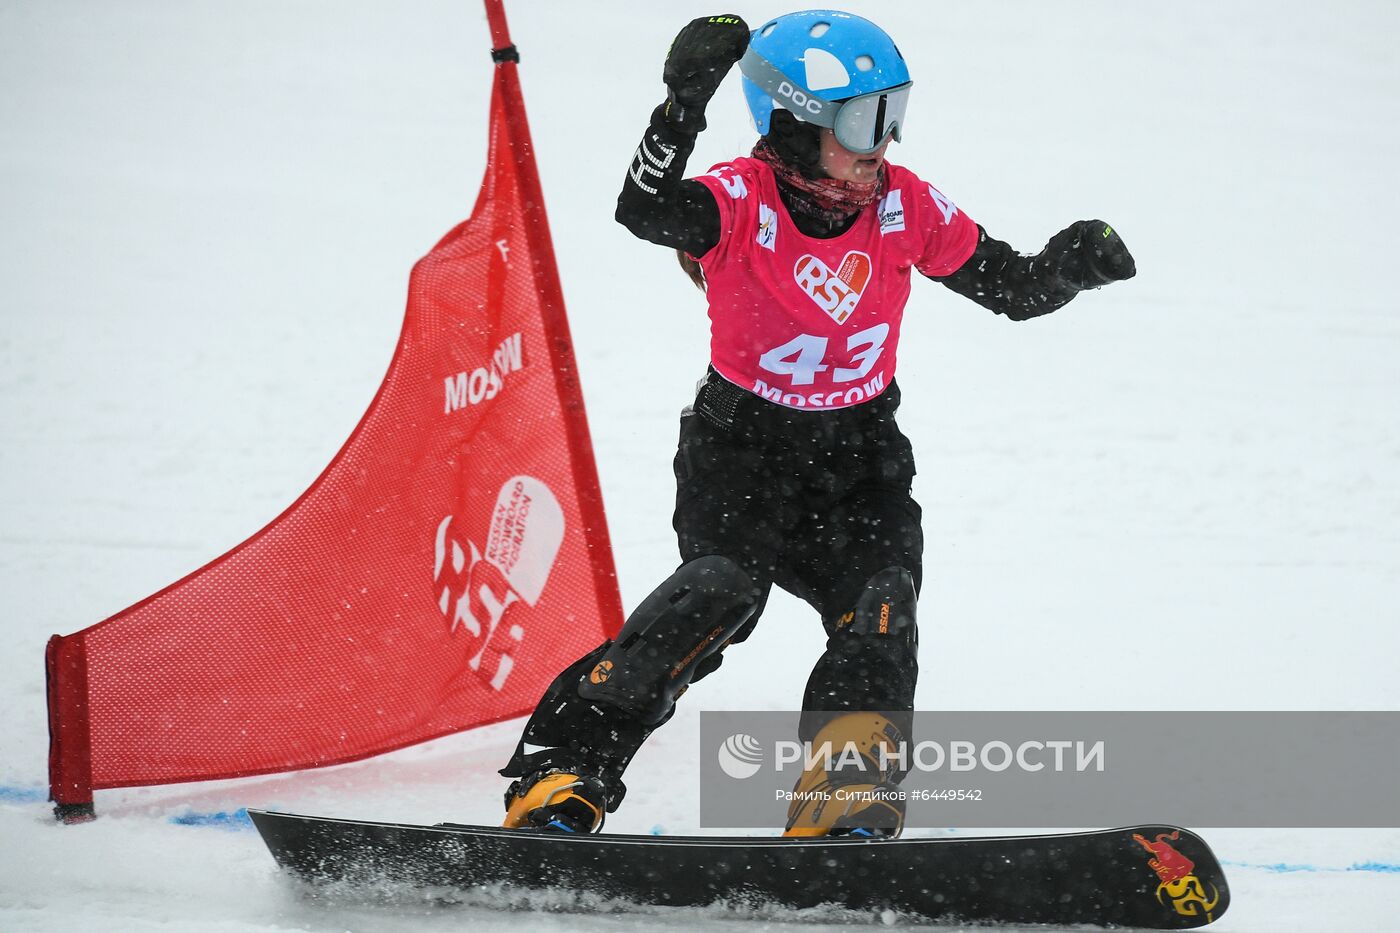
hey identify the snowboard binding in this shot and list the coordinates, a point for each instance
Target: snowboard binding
(560, 801)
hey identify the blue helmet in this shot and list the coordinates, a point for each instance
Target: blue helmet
(830, 68)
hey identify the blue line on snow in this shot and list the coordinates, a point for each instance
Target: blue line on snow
(223, 819)
(1284, 867)
(1376, 866)
(11, 794)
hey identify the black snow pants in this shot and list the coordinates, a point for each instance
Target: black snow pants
(816, 502)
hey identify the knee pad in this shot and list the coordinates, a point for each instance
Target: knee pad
(872, 658)
(886, 610)
(676, 631)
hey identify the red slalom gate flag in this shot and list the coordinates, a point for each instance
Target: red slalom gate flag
(447, 564)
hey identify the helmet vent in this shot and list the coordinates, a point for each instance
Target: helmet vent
(767, 31)
(818, 30)
(824, 70)
(864, 63)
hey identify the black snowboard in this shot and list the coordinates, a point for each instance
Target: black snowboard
(1159, 877)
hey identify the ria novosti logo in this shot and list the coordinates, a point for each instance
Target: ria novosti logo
(740, 756)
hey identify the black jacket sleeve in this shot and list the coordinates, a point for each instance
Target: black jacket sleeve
(657, 203)
(1002, 280)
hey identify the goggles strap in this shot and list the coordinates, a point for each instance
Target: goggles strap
(782, 89)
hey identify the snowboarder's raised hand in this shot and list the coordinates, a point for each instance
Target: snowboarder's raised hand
(699, 58)
(1090, 253)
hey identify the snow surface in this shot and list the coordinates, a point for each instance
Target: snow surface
(1178, 493)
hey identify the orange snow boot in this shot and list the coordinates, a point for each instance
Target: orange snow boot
(848, 788)
(563, 801)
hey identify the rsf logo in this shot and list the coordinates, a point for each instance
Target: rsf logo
(835, 292)
(740, 756)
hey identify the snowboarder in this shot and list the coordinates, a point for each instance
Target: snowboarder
(790, 469)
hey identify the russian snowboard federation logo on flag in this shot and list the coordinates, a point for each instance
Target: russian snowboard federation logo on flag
(837, 293)
(527, 529)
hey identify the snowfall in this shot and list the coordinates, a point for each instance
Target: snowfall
(1178, 493)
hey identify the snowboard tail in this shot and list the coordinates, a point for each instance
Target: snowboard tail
(1156, 877)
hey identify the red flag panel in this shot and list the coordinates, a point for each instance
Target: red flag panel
(450, 560)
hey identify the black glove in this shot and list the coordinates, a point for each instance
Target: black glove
(700, 56)
(1088, 254)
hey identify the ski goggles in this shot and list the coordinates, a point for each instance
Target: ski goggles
(861, 124)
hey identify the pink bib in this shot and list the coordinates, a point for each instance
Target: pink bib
(811, 323)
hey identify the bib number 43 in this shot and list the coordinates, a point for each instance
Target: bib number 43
(804, 356)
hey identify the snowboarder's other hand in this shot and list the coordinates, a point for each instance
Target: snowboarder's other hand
(699, 58)
(1090, 253)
